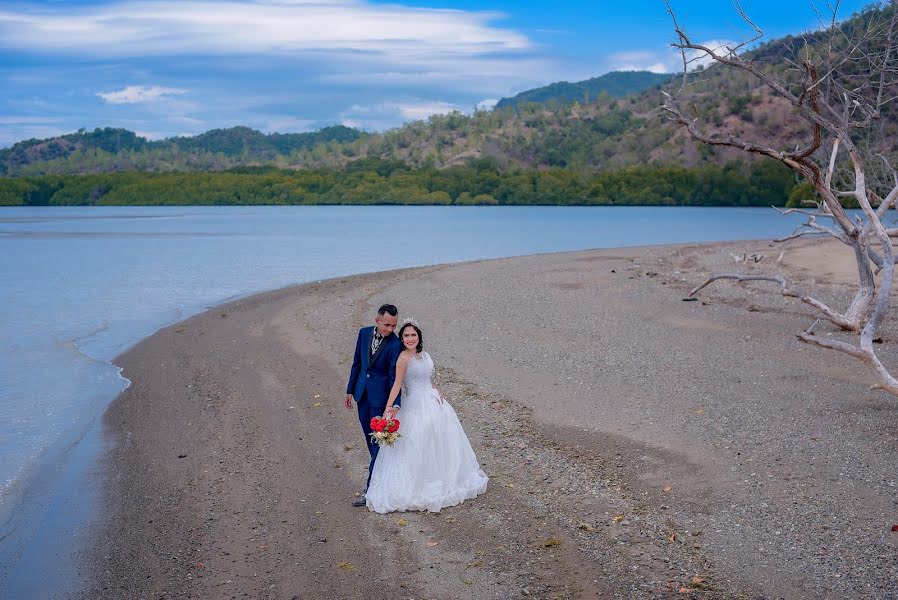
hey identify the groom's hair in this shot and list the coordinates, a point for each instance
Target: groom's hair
(388, 308)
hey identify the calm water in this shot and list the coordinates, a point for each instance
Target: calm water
(80, 285)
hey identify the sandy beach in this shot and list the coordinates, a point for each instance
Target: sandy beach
(638, 445)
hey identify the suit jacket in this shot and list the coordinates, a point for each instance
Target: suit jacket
(371, 377)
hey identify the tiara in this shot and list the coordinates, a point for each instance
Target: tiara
(409, 321)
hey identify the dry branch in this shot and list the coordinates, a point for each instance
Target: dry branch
(847, 321)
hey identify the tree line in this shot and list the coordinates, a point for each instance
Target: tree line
(377, 181)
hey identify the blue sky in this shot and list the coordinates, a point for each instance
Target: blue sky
(182, 67)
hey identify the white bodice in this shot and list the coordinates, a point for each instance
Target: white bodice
(418, 375)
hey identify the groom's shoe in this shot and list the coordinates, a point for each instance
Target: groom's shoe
(360, 501)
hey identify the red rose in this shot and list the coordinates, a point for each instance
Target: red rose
(393, 426)
(378, 423)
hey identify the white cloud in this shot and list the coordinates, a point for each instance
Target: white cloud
(151, 135)
(485, 75)
(166, 27)
(416, 112)
(697, 58)
(657, 67)
(138, 94)
(667, 62)
(373, 117)
(638, 60)
(487, 104)
(288, 124)
(386, 115)
(237, 57)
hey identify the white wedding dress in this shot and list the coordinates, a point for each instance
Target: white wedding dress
(431, 465)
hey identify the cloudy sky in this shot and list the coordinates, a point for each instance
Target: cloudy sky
(181, 67)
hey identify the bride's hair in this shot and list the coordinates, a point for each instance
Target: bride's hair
(420, 345)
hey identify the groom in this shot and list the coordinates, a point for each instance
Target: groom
(372, 375)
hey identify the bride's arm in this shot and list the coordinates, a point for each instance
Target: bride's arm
(440, 397)
(401, 365)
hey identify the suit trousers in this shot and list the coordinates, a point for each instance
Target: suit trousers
(366, 413)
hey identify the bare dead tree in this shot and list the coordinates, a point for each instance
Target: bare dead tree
(838, 81)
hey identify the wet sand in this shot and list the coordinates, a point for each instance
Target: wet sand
(639, 446)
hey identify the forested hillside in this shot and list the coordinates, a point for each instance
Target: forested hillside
(551, 151)
(110, 150)
(610, 133)
(616, 84)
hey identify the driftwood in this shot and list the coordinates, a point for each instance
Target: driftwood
(838, 86)
(744, 257)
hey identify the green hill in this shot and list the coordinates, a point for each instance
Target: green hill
(605, 134)
(616, 84)
(243, 141)
(553, 152)
(107, 149)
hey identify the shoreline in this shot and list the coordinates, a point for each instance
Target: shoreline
(76, 461)
(210, 415)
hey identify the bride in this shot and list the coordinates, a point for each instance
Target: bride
(431, 466)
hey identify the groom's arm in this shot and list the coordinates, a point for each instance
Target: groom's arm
(356, 365)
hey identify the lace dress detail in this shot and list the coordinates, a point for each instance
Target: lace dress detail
(432, 465)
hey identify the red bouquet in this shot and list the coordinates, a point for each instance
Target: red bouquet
(385, 431)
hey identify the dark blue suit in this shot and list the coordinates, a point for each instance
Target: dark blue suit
(370, 381)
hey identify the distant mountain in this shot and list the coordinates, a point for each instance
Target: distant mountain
(34, 150)
(616, 84)
(93, 151)
(604, 134)
(243, 141)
